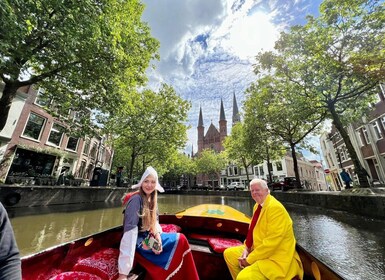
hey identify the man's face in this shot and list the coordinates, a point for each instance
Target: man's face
(258, 193)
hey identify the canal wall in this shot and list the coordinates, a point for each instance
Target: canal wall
(29, 196)
(365, 202)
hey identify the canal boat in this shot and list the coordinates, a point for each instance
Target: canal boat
(209, 228)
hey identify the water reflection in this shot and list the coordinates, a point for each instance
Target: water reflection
(353, 245)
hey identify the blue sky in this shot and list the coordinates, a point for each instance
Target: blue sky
(207, 48)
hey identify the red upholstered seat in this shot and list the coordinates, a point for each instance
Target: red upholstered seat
(103, 264)
(170, 228)
(219, 244)
(75, 275)
(199, 236)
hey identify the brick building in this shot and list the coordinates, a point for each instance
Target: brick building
(34, 145)
(368, 139)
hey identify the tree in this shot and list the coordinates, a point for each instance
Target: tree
(260, 143)
(335, 61)
(210, 164)
(181, 167)
(149, 128)
(236, 149)
(283, 113)
(84, 53)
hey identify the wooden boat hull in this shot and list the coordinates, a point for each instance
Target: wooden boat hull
(200, 224)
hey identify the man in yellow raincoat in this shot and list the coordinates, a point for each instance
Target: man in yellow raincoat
(269, 250)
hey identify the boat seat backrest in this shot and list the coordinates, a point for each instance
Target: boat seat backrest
(103, 263)
(217, 244)
(170, 228)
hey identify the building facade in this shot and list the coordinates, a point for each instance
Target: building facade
(368, 139)
(35, 146)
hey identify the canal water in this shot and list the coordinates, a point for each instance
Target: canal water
(352, 245)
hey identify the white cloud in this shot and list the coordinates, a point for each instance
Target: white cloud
(208, 48)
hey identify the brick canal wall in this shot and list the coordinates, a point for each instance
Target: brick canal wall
(369, 203)
(26, 196)
(366, 202)
(365, 205)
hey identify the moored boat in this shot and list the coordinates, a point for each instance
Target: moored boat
(209, 228)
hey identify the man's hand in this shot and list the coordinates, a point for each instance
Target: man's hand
(242, 259)
(242, 262)
(245, 253)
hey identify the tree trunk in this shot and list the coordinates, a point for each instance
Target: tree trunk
(9, 92)
(247, 172)
(295, 164)
(268, 164)
(131, 168)
(358, 169)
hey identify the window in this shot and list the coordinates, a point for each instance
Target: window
(42, 100)
(82, 169)
(94, 151)
(366, 136)
(230, 171)
(383, 122)
(56, 134)
(360, 137)
(72, 143)
(258, 171)
(235, 170)
(34, 126)
(279, 166)
(377, 130)
(86, 147)
(261, 172)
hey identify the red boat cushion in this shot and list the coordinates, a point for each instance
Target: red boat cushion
(199, 236)
(75, 275)
(219, 244)
(103, 264)
(170, 228)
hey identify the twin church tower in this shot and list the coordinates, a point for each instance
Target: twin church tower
(213, 139)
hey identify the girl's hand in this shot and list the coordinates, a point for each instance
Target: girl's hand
(159, 239)
(122, 277)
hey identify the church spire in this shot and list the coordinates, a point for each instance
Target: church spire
(236, 116)
(200, 121)
(222, 116)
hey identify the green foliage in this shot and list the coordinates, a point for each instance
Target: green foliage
(149, 129)
(180, 165)
(281, 111)
(86, 54)
(336, 60)
(210, 163)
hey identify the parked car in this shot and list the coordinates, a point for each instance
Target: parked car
(236, 186)
(181, 188)
(286, 184)
(219, 188)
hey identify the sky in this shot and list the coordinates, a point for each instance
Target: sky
(208, 48)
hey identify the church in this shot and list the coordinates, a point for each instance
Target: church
(213, 138)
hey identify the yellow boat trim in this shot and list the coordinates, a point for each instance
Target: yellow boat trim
(215, 211)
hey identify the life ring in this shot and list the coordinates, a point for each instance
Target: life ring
(12, 199)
